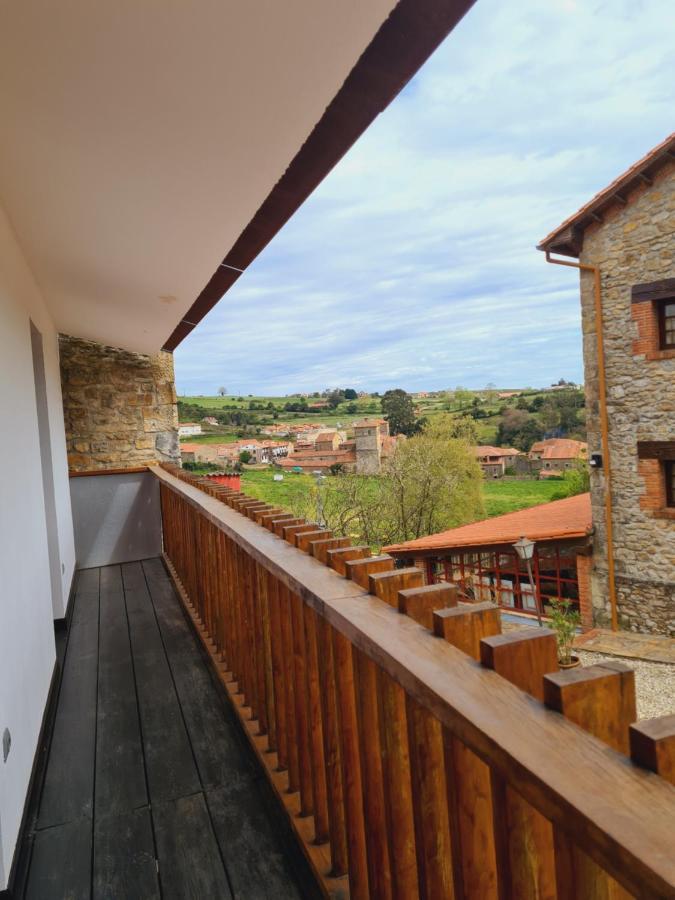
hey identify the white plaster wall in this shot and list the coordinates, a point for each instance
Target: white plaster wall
(27, 651)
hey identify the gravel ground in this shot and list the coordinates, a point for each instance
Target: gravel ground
(654, 683)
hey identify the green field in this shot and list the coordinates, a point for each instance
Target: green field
(500, 496)
(260, 483)
(216, 438)
(507, 496)
(366, 406)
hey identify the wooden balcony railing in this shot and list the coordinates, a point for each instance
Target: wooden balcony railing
(418, 752)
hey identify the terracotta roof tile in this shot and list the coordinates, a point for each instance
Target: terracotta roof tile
(560, 448)
(568, 518)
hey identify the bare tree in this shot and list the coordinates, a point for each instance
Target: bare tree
(222, 391)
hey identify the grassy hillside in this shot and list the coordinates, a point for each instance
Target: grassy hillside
(500, 496)
(507, 496)
(511, 421)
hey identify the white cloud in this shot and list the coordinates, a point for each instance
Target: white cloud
(421, 242)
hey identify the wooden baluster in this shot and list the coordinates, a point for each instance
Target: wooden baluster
(264, 515)
(220, 592)
(652, 745)
(232, 600)
(352, 782)
(397, 787)
(523, 836)
(225, 628)
(293, 759)
(244, 657)
(359, 570)
(522, 657)
(254, 508)
(365, 685)
(202, 570)
(278, 672)
(338, 558)
(259, 586)
(433, 800)
(601, 700)
(213, 582)
(290, 531)
(319, 549)
(464, 627)
(420, 602)
(251, 646)
(278, 525)
(315, 727)
(331, 748)
(303, 540)
(265, 519)
(386, 585)
(268, 676)
(301, 704)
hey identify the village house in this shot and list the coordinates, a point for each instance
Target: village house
(481, 560)
(327, 441)
(495, 460)
(363, 453)
(225, 454)
(555, 456)
(189, 429)
(624, 243)
(280, 429)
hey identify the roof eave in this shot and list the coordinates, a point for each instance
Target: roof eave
(568, 238)
(494, 545)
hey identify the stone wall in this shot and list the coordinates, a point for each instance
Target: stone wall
(633, 245)
(119, 406)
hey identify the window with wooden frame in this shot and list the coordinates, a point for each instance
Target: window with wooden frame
(656, 465)
(653, 311)
(669, 472)
(666, 314)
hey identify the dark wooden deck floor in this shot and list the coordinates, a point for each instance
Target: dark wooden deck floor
(149, 790)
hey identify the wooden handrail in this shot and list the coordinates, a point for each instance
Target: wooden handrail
(621, 815)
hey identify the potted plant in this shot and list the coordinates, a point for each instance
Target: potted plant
(565, 620)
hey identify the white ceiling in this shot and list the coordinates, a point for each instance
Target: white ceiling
(139, 137)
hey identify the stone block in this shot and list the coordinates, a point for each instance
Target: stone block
(119, 406)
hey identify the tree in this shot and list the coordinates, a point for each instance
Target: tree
(350, 394)
(335, 398)
(577, 480)
(462, 397)
(399, 411)
(222, 391)
(549, 415)
(431, 482)
(518, 429)
(245, 456)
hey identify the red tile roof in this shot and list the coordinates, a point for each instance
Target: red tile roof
(561, 519)
(487, 450)
(563, 239)
(560, 448)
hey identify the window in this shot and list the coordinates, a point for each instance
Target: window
(667, 324)
(669, 469)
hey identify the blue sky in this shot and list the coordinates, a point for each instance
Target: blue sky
(414, 265)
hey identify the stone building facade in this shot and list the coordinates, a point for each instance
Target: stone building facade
(368, 435)
(630, 236)
(119, 406)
